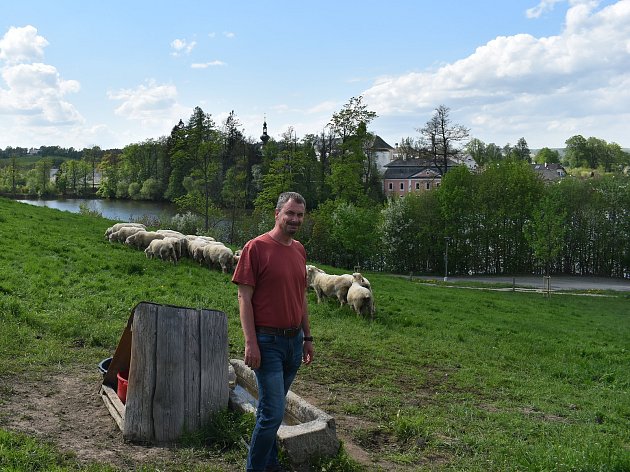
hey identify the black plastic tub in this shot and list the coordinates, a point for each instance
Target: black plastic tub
(104, 365)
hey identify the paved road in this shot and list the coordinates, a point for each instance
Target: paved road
(558, 283)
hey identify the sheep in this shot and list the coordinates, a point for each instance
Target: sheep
(361, 299)
(180, 245)
(117, 226)
(170, 233)
(162, 248)
(195, 248)
(142, 239)
(123, 233)
(326, 285)
(218, 254)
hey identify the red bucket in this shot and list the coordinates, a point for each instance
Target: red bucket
(122, 386)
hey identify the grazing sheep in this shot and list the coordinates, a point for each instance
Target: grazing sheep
(142, 239)
(117, 226)
(218, 254)
(326, 285)
(170, 233)
(361, 300)
(123, 233)
(161, 248)
(180, 245)
(195, 248)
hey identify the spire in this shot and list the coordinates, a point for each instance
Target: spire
(265, 137)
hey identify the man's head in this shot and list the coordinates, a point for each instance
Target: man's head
(290, 211)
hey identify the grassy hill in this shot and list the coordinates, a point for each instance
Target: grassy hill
(442, 379)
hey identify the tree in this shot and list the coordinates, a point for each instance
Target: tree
(576, 151)
(521, 151)
(546, 155)
(442, 137)
(345, 122)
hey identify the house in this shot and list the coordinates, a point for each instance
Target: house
(382, 153)
(404, 176)
(549, 172)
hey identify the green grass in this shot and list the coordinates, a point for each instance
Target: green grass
(442, 379)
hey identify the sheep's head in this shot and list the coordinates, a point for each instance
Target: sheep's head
(358, 278)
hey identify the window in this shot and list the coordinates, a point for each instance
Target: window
(417, 185)
(402, 186)
(391, 186)
(428, 185)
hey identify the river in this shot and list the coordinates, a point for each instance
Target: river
(119, 210)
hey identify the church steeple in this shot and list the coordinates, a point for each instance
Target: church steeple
(265, 137)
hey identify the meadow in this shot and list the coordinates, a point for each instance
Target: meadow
(442, 379)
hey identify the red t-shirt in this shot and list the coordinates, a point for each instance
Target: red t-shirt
(278, 275)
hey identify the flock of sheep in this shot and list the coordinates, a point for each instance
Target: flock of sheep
(168, 245)
(353, 289)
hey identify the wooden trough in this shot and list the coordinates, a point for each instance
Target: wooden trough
(177, 364)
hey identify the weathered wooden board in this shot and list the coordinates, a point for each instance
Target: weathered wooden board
(177, 360)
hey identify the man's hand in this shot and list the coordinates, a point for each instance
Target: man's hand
(307, 352)
(252, 355)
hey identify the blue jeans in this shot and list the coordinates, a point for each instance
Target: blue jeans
(280, 359)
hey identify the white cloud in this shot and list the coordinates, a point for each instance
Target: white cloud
(580, 73)
(22, 45)
(229, 34)
(181, 46)
(543, 7)
(147, 101)
(205, 65)
(33, 93)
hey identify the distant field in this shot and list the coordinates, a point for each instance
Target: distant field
(443, 378)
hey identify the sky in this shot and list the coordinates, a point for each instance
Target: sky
(78, 73)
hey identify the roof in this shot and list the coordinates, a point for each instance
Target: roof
(410, 168)
(379, 143)
(549, 171)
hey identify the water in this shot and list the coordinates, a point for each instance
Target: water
(119, 210)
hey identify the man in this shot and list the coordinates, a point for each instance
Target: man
(271, 278)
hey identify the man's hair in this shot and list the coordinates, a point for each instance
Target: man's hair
(286, 196)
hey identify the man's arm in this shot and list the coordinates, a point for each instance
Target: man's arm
(246, 310)
(307, 348)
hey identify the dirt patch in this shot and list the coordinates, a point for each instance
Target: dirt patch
(68, 411)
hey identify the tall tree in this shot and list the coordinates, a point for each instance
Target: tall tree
(442, 137)
(345, 122)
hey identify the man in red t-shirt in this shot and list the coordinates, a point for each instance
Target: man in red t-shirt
(271, 278)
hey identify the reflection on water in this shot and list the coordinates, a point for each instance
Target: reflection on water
(119, 210)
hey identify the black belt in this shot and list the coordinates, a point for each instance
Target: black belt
(287, 332)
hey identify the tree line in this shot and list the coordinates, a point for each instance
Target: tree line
(499, 219)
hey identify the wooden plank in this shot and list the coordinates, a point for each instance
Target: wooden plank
(138, 425)
(192, 377)
(120, 360)
(113, 404)
(168, 398)
(214, 362)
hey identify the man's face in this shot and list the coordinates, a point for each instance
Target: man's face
(290, 217)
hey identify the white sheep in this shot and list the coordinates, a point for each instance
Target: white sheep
(171, 233)
(180, 245)
(195, 248)
(218, 254)
(326, 285)
(142, 239)
(117, 226)
(361, 299)
(123, 233)
(161, 248)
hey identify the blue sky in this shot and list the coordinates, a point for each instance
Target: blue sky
(84, 73)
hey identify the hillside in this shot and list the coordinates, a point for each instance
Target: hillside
(442, 379)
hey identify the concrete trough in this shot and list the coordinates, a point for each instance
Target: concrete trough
(306, 433)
